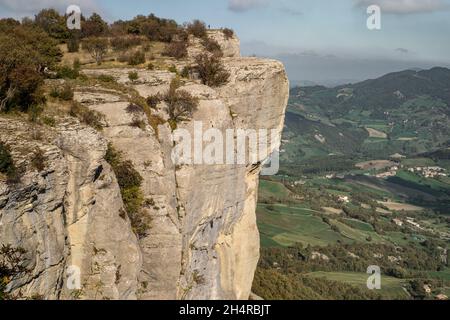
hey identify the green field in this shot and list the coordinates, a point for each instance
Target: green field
(391, 288)
(285, 226)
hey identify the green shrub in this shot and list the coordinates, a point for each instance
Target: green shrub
(186, 72)
(7, 166)
(181, 104)
(133, 75)
(172, 69)
(129, 181)
(176, 49)
(106, 78)
(38, 160)
(134, 108)
(64, 93)
(85, 115)
(211, 70)
(73, 44)
(125, 43)
(34, 111)
(97, 47)
(76, 64)
(154, 100)
(49, 121)
(197, 28)
(136, 58)
(137, 122)
(212, 46)
(66, 72)
(150, 66)
(229, 33)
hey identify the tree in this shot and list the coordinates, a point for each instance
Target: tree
(95, 26)
(197, 28)
(97, 47)
(211, 70)
(53, 23)
(181, 104)
(25, 53)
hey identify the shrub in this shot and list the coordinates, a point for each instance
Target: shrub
(172, 69)
(229, 33)
(154, 100)
(49, 121)
(150, 66)
(73, 44)
(186, 72)
(38, 160)
(136, 58)
(106, 78)
(137, 122)
(65, 72)
(125, 43)
(181, 104)
(212, 46)
(34, 112)
(127, 176)
(97, 47)
(85, 115)
(64, 93)
(197, 28)
(176, 49)
(211, 70)
(7, 166)
(95, 26)
(134, 108)
(133, 75)
(129, 181)
(76, 64)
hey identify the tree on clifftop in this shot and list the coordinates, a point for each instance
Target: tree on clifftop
(25, 53)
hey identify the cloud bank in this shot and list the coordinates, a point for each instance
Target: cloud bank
(245, 5)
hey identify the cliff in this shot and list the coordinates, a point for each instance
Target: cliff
(202, 242)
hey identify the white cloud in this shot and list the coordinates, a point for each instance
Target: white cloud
(245, 5)
(21, 8)
(405, 6)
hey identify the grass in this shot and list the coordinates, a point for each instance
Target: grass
(359, 225)
(284, 226)
(443, 275)
(273, 190)
(391, 288)
(357, 235)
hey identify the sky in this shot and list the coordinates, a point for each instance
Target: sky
(324, 41)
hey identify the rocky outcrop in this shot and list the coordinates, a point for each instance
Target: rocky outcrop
(69, 215)
(203, 242)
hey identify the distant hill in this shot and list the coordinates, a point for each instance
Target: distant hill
(404, 112)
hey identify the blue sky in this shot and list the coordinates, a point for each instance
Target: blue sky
(414, 32)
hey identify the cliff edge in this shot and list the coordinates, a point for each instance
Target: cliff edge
(202, 241)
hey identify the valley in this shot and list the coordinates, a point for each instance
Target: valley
(366, 176)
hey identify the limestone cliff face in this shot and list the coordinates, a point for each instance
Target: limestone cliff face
(203, 242)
